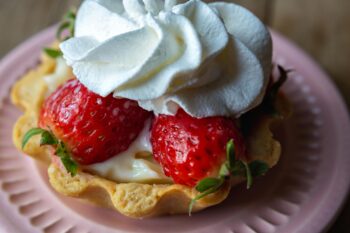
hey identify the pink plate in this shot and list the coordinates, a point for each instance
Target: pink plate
(302, 194)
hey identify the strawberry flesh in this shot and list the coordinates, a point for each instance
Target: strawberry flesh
(190, 149)
(93, 128)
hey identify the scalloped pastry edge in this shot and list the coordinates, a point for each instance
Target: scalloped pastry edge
(130, 199)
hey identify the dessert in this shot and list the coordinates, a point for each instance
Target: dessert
(153, 107)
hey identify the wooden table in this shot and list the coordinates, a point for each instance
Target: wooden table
(320, 27)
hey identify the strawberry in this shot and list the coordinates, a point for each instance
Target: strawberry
(91, 127)
(191, 149)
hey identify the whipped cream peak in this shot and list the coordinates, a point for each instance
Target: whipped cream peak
(136, 8)
(209, 59)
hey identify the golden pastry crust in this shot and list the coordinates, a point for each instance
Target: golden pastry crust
(28, 94)
(130, 199)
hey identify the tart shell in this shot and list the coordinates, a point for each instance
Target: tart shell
(130, 199)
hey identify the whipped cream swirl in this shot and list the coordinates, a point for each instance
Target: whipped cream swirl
(209, 59)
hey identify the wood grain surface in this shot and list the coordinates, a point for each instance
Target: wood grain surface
(320, 27)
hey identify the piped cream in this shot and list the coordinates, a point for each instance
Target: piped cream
(209, 59)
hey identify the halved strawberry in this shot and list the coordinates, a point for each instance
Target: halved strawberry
(91, 127)
(191, 149)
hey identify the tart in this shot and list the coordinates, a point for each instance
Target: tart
(84, 122)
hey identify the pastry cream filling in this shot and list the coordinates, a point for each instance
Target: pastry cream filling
(136, 164)
(133, 165)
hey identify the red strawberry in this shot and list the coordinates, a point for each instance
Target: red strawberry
(92, 128)
(190, 149)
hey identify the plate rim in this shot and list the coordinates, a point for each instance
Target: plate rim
(326, 217)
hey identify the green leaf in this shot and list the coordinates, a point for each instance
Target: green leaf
(72, 30)
(47, 138)
(60, 149)
(230, 153)
(54, 53)
(224, 170)
(230, 167)
(70, 15)
(258, 168)
(238, 169)
(67, 161)
(248, 175)
(208, 191)
(61, 28)
(207, 183)
(68, 23)
(30, 134)
(70, 165)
